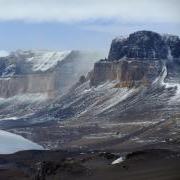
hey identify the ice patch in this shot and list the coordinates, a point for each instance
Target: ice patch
(9, 118)
(176, 98)
(118, 161)
(11, 143)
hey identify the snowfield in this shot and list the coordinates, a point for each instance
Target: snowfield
(118, 161)
(11, 143)
(44, 60)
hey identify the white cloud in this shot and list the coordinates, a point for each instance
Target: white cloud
(3, 53)
(82, 10)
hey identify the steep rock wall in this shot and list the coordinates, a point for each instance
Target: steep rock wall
(128, 73)
(33, 83)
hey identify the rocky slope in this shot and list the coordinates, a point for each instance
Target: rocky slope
(29, 80)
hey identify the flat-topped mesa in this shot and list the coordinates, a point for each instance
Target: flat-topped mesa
(145, 45)
(136, 60)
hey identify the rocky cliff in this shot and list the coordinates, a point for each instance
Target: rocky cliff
(45, 72)
(127, 73)
(137, 59)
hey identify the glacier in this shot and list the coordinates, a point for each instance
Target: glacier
(11, 143)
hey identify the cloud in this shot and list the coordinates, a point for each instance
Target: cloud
(3, 53)
(126, 28)
(82, 10)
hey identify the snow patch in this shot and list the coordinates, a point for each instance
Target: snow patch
(118, 161)
(11, 143)
(161, 80)
(176, 98)
(9, 118)
(42, 60)
(169, 56)
(118, 97)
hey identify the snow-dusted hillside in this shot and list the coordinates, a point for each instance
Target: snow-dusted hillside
(41, 60)
(46, 72)
(11, 143)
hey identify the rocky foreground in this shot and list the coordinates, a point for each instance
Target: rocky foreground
(154, 164)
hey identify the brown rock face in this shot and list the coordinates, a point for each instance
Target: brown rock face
(32, 83)
(128, 73)
(43, 72)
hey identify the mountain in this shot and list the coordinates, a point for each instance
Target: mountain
(145, 45)
(42, 71)
(32, 78)
(120, 118)
(129, 100)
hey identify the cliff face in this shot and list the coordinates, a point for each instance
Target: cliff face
(32, 83)
(137, 59)
(44, 72)
(128, 73)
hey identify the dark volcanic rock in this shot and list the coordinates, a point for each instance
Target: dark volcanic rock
(145, 45)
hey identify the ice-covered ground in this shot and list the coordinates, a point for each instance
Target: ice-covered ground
(11, 143)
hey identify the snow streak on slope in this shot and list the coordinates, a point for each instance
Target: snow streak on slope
(43, 60)
(175, 98)
(11, 143)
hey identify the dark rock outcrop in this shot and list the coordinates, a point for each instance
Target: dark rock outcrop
(145, 45)
(137, 59)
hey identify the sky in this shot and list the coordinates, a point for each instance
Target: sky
(81, 24)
